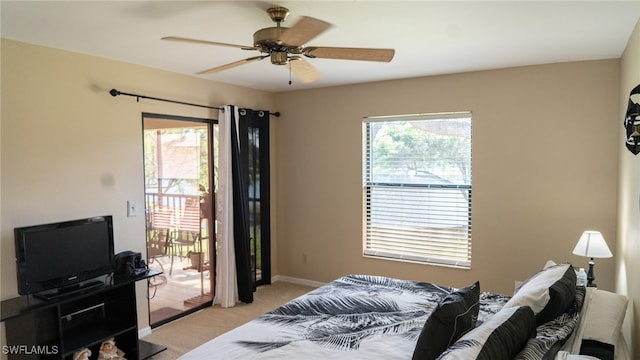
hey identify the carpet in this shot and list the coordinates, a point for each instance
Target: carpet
(186, 333)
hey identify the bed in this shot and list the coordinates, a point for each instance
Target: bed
(375, 317)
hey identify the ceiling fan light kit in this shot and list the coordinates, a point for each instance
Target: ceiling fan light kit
(279, 58)
(284, 46)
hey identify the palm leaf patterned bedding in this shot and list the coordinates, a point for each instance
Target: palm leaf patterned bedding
(353, 317)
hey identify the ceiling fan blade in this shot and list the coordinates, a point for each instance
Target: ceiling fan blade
(303, 70)
(231, 65)
(304, 30)
(205, 42)
(366, 54)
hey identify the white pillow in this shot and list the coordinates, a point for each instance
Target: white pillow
(613, 311)
(604, 317)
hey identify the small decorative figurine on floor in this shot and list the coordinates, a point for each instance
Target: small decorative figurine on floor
(109, 351)
(83, 354)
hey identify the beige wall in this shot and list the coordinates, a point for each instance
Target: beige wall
(71, 150)
(628, 247)
(545, 148)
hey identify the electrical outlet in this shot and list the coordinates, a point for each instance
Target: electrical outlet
(132, 208)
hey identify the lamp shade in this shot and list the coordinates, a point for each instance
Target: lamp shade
(592, 244)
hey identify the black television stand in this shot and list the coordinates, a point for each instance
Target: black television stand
(59, 326)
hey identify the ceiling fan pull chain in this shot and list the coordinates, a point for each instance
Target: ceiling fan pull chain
(289, 72)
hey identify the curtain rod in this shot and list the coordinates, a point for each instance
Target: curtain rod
(115, 93)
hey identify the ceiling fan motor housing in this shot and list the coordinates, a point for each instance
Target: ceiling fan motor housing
(268, 41)
(268, 38)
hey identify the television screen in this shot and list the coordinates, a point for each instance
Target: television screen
(58, 255)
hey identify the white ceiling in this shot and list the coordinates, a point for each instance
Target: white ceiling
(430, 37)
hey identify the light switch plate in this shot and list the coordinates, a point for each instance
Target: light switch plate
(132, 208)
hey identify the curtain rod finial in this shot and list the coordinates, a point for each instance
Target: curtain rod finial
(276, 114)
(114, 92)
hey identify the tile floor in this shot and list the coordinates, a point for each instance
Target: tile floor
(181, 290)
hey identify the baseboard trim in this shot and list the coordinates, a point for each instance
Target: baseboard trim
(298, 281)
(144, 332)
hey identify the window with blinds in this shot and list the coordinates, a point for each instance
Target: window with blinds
(417, 188)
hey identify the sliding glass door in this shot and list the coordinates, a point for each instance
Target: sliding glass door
(179, 178)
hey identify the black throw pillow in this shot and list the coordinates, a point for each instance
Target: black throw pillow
(454, 316)
(562, 294)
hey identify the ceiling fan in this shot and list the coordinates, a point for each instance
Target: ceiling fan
(285, 46)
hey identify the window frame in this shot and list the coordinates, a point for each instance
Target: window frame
(368, 185)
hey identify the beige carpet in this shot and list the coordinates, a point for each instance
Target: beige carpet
(184, 334)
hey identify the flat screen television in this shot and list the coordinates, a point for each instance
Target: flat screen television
(54, 259)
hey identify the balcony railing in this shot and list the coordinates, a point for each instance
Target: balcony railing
(174, 224)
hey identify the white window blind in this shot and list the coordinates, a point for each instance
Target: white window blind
(417, 188)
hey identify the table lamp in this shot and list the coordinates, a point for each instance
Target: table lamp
(592, 245)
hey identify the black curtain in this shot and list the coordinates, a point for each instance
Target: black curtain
(240, 148)
(254, 140)
(246, 286)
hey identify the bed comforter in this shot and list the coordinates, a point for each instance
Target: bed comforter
(354, 317)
